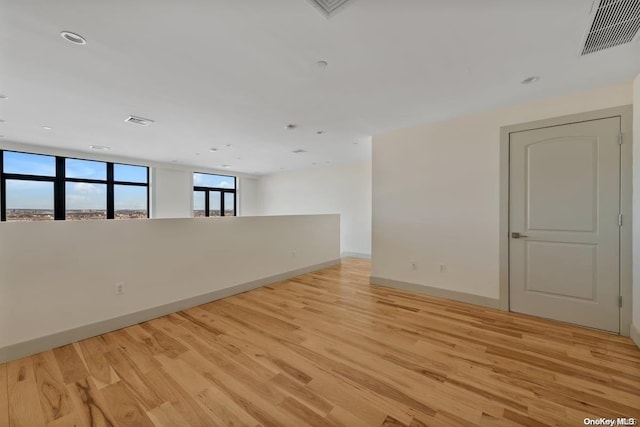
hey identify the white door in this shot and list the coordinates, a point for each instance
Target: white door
(563, 223)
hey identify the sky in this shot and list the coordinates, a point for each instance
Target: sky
(218, 181)
(79, 195)
(83, 195)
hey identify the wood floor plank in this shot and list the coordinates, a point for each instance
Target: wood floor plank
(71, 364)
(225, 409)
(184, 403)
(133, 377)
(89, 404)
(24, 399)
(54, 398)
(92, 352)
(126, 410)
(166, 415)
(328, 349)
(4, 397)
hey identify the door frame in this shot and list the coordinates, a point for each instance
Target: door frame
(626, 117)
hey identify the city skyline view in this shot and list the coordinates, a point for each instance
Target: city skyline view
(30, 180)
(25, 194)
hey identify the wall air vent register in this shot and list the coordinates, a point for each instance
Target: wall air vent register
(329, 7)
(615, 22)
(138, 121)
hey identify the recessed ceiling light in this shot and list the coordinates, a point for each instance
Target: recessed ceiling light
(322, 64)
(73, 37)
(47, 128)
(530, 80)
(99, 147)
(3, 96)
(213, 150)
(291, 126)
(226, 166)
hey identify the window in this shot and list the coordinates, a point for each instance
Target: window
(85, 189)
(28, 182)
(37, 187)
(214, 195)
(131, 191)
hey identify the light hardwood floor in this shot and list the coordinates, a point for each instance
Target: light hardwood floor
(328, 349)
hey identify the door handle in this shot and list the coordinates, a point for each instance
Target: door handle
(516, 235)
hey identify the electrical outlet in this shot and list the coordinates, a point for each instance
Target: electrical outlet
(443, 268)
(414, 266)
(119, 288)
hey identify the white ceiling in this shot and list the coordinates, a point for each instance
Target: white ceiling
(218, 72)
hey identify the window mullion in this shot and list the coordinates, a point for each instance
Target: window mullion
(59, 190)
(110, 192)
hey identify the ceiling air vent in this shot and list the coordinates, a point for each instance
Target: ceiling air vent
(138, 121)
(299, 151)
(615, 22)
(329, 7)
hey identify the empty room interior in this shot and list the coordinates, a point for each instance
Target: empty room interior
(319, 212)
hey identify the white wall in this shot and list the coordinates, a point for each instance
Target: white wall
(171, 193)
(344, 189)
(635, 326)
(55, 276)
(436, 193)
(248, 197)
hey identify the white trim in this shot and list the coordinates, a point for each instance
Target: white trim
(27, 348)
(355, 255)
(437, 292)
(635, 334)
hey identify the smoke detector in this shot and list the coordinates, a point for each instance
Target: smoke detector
(329, 8)
(138, 121)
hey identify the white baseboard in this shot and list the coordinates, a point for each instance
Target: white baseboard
(437, 292)
(635, 334)
(355, 255)
(33, 346)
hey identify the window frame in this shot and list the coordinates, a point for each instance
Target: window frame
(60, 181)
(207, 192)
